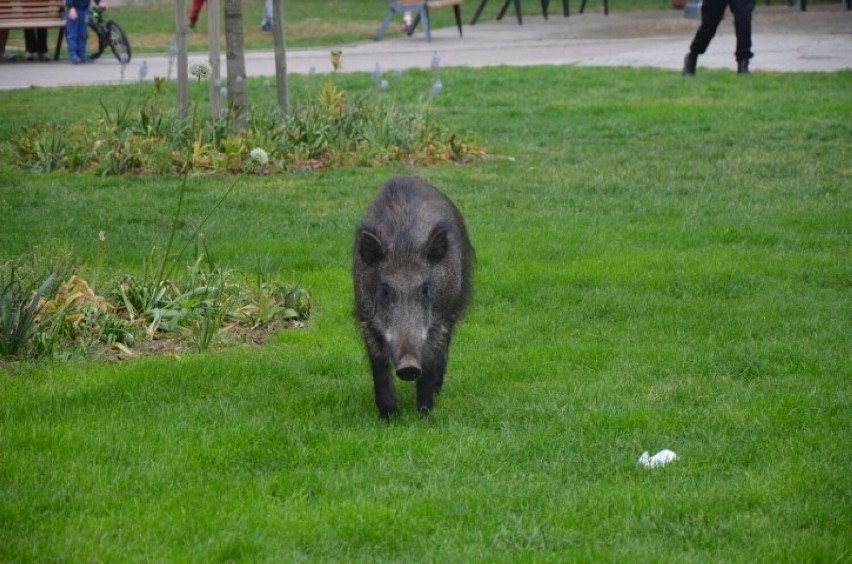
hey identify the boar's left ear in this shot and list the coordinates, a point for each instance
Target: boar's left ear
(437, 246)
(370, 248)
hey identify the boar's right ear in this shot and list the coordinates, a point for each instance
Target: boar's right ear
(370, 248)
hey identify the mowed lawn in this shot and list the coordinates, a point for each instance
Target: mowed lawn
(662, 263)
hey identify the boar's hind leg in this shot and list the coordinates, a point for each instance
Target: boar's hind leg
(383, 387)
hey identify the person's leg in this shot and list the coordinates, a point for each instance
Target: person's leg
(742, 10)
(83, 35)
(77, 32)
(266, 22)
(71, 39)
(41, 42)
(196, 9)
(711, 14)
(36, 43)
(30, 44)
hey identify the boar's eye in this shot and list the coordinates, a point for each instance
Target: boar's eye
(424, 291)
(385, 292)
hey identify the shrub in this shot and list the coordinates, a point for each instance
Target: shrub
(19, 305)
(329, 129)
(75, 318)
(203, 305)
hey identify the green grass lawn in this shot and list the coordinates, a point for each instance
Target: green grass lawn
(662, 263)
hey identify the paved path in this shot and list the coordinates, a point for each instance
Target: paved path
(784, 38)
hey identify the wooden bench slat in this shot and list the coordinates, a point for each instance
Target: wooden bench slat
(30, 15)
(24, 14)
(27, 9)
(30, 7)
(26, 24)
(25, 4)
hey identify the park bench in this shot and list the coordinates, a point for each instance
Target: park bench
(545, 6)
(26, 14)
(421, 9)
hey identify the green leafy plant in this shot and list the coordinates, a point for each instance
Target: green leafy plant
(156, 298)
(203, 304)
(210, 313)
(42, 149)
(19, 305)
(328, 129)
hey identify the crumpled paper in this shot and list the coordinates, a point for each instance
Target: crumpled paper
(660, 459)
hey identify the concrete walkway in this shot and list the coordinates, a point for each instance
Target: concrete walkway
(785, 40)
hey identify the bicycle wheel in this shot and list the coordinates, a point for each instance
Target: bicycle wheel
(96, 43)
(118, 42)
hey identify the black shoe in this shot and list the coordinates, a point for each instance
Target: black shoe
(689, 64)
(742, 67)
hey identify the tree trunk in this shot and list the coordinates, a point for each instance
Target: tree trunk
(213, 29)
(236, 63)
(182, 60)
(280, 54)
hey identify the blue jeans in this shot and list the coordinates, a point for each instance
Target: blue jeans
(77, 34)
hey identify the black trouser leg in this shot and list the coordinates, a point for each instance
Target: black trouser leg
(742, 10)
(30, 40)
(711, 14)
(35, 40)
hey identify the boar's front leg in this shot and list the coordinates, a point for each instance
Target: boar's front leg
(383, 387)
(429, 383)
(426, 391)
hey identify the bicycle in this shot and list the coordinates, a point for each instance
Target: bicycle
(109, 34)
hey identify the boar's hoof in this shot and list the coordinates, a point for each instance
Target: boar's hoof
(386, 412)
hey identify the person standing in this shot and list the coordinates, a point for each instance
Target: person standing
(266, 22)
(4, 37)
(76, 30)
(36, 44)
(193, 15)
(712, 12)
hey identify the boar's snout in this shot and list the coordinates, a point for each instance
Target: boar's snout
(408, 368)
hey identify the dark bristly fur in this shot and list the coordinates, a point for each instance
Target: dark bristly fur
(412, 266)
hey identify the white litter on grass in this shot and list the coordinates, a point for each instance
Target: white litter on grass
(660, 459)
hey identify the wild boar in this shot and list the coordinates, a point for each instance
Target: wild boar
(412, 268)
